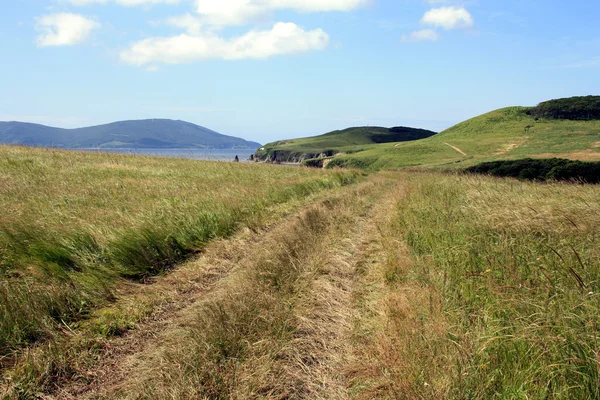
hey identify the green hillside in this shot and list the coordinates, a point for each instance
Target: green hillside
(343, 141)
(150, 133)
(508, 133)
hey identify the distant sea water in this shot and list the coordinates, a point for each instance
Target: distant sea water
(196, 154)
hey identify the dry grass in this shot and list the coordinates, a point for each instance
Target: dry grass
(585, 155)
(481, 288)
(449, 287)
(392, 359)
(501, 300)
(510, 147)
(76, 224)
(267, 332)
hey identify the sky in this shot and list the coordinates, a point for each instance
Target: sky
(274, 69)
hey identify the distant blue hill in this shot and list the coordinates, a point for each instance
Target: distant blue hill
(142, 134)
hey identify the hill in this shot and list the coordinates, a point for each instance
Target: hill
(343, 141)
(151, 133)
(508, 133)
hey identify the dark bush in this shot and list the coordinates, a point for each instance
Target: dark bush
(401, 134)
(557, 169)
(574, 108)
(314, 162)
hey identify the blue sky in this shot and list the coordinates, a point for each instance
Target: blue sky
(274, 69)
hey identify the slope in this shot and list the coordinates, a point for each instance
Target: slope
(508, 133)
(342, 141)
(151, 133)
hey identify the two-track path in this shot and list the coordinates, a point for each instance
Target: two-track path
(317, 361)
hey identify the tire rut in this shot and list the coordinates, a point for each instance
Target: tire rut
(312, 364)
(187, 287)
(315, 362)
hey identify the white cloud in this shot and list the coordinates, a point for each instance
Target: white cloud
(283, 38)
(64, 29)
(144, 2)
(239, 12)
(84, 2)
(420, 36)
(192, 24)
(202, 41)
(232, 11)
(121, 2)
(448, 18)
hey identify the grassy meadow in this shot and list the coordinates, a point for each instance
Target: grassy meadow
(493, 291)
(137, 277)
(73, 225)
(508, 133)
(240, 340)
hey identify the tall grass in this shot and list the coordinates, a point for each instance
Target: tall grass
(236, 341)
(73, 224)
(515, 269)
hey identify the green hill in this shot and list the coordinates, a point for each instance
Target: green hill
(508, 133)
(150, 133)
(348, 140)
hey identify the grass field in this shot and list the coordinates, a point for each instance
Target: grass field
(129, 277)
(74, 224)
(492, 292)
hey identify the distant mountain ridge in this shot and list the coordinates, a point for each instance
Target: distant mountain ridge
(148, 133)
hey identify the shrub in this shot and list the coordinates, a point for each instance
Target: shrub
(556, 169)
(574, 108)
(314, 162)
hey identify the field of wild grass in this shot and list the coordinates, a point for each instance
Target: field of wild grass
(510, 273)
(476, 288)
(73, 224)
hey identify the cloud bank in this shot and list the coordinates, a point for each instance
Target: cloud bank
(201, 42)
(283, 38)
(203, 38)
(121, 2)
(241, 12)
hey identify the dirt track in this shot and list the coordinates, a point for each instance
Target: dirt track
(457, 149)
(318, 357)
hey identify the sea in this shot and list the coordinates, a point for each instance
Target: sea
(195, 154)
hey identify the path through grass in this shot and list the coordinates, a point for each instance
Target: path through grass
(74, 224)
(495, 294)
(408, 286)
